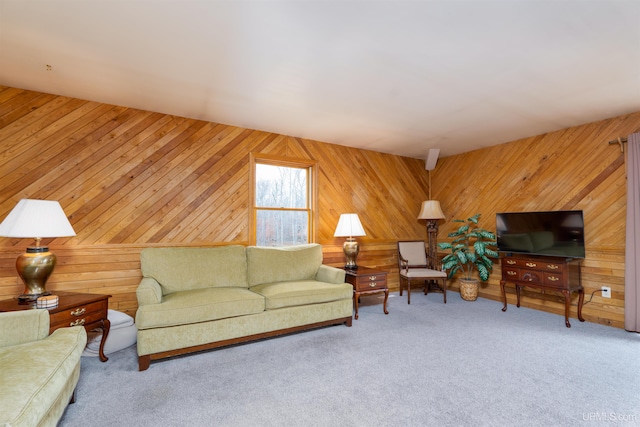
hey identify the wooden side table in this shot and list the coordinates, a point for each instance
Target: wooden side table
(74, 309)
(367, 281)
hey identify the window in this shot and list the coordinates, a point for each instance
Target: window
(283, 201)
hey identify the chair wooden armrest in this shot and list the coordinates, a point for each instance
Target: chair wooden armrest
(404, 264)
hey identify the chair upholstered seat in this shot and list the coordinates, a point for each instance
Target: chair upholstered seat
(414, 266)
(423, 273)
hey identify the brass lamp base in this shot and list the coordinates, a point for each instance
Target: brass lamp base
(351, 250)
(34, 268)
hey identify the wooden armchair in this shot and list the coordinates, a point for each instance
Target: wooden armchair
(414, 267)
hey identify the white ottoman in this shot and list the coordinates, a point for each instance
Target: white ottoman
(122, 334)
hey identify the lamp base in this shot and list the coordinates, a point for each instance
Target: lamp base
(351, 250)
(31, 298)
(34, 268)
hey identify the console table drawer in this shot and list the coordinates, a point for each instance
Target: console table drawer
(552, 267)
(554, 280)
(534, 265)
(511, 273)
(531, 276)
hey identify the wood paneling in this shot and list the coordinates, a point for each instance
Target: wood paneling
(573, 168)
(130, 179)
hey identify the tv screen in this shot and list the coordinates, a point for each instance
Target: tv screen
(552, 233)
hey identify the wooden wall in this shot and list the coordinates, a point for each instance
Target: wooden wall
(573, 168)
(129, 179)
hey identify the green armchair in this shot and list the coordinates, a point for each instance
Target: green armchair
(39, 371)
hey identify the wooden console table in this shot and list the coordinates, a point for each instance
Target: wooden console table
(73, 309)
(545, 273)
(367, 281)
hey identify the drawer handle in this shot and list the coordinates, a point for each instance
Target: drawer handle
(372, 278)
(372, 285)
(79, 322)
(553, 267)
(511, 273)
(510, 261)
(531, 264)
(79, 311)
(553, 278)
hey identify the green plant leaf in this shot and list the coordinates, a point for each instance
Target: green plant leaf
(491, 253)
(486, 234)
(483, 272)
(463, 229)
(488, 263)
(472, 257)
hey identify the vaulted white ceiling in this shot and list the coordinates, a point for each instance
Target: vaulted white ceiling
(399, 77)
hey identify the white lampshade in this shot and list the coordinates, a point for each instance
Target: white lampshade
(349, 225)
(36, 219)
(431, 210)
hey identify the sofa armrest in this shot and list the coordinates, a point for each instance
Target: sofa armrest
(149, 292)
(19, 327)
(329, 274)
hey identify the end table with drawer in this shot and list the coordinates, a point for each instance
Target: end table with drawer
(367, 281)
(73, 309)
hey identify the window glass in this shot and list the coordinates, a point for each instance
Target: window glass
(281, 228)
(282, 205)
(281, 187)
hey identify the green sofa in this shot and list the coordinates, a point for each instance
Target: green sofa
(38, 372)
(192, 299)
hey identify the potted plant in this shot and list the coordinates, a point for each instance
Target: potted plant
(471, 249)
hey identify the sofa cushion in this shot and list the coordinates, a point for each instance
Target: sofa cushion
(199, 305)
(181, 269)
(302, 292)
(282, 264)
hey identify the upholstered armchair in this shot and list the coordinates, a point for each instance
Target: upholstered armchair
(413, 268)
(39, 371)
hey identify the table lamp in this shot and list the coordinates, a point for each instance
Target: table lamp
(349, 226)
(36, 219)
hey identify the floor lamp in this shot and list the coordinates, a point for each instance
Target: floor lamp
(432, 212)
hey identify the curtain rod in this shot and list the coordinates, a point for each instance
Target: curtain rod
(619, 141)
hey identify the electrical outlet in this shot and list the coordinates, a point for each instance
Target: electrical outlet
(606, 292)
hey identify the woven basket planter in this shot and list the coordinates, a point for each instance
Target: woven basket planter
(469, 289)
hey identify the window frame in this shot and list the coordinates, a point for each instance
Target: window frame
(311, 167)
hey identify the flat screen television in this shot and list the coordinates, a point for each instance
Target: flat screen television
(551, 233)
